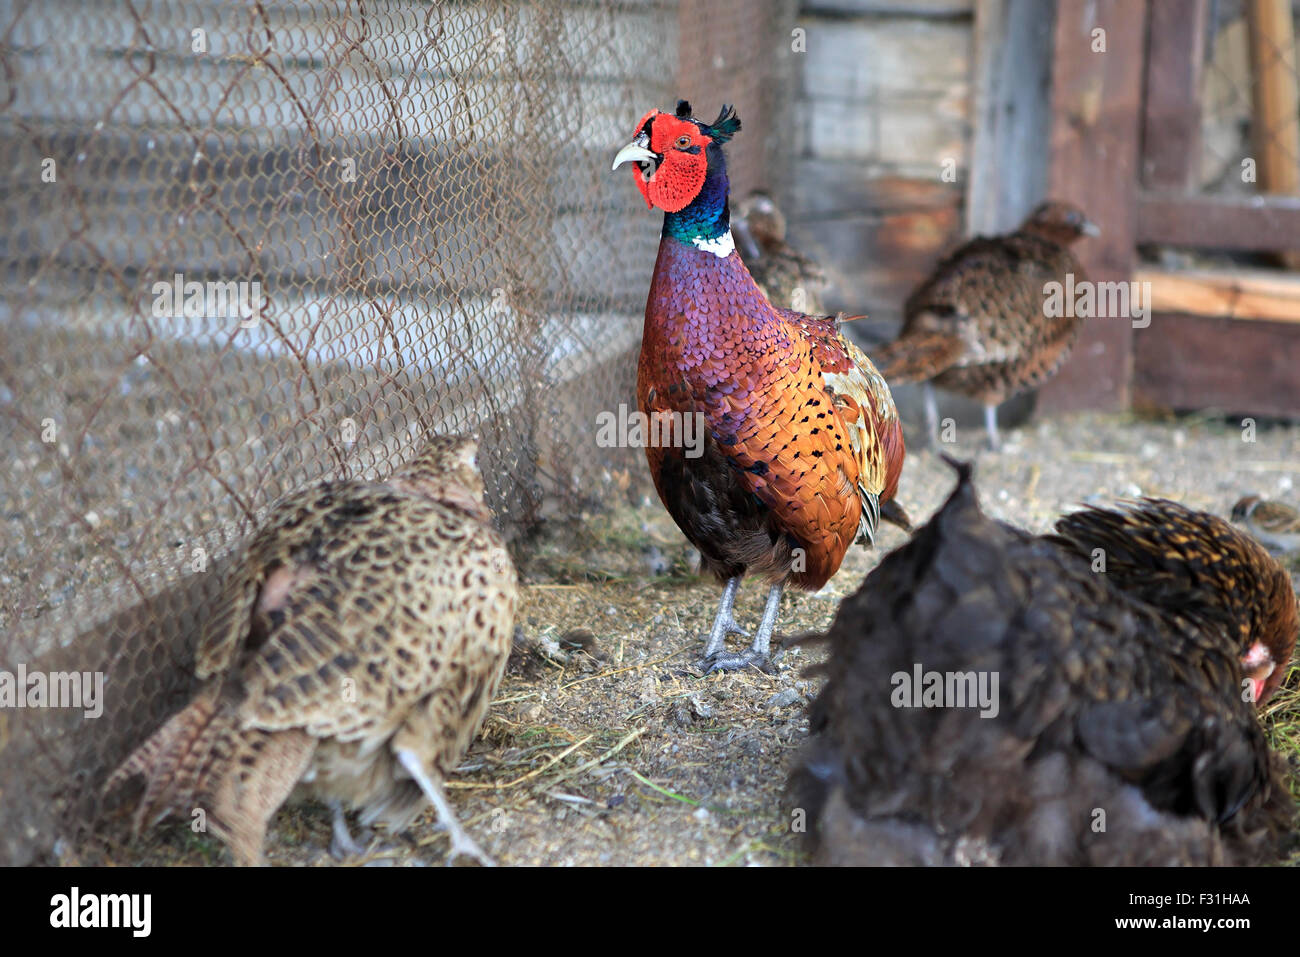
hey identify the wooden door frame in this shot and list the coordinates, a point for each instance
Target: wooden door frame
(1125, 146)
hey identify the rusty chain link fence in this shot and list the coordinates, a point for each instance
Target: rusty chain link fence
(248, 246)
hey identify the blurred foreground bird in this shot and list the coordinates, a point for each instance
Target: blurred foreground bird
(1276, 524)
(995, 697)
(800, 442)
(352, 659)
(979, 324)
(787, 277)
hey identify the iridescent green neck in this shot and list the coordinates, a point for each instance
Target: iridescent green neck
(708, 217)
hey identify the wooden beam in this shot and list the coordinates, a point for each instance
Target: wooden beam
(1171, 130)
(1096, 127)
(713, 67)
(1197, 362)
(1011, 116)
(1219, 222)
(1236, 294)
(1275, 125)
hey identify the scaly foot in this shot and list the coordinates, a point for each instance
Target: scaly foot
(749, 658)
(342, 844)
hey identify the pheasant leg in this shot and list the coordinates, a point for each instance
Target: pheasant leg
(991, 426)
(461, 842)
(931, 414)
(756, 656)
(724, 623)
(343, 844)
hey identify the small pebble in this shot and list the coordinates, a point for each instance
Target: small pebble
(783, 699)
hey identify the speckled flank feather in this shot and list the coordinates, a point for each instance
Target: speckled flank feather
(1105, 702)
(977, 325)
(803, 439)
(362, 617)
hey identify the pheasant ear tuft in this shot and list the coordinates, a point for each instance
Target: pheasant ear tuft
(683, 109)
(725, 126)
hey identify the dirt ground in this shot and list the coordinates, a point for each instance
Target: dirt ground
(607, 745)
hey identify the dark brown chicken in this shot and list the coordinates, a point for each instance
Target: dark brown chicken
(358, 644)
(1074, 716)
(1198, 568)
(789, 279)
(978, 325)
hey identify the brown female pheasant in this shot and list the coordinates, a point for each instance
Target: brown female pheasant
(786, 276)
(1274, 523)
(978, 325)
(352, 659)
(802, 442)
(1001, 698)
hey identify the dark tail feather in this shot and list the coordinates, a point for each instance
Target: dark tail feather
(917, 357)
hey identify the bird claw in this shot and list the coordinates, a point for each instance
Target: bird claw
(342, 844)
(462, 843)
(733, 628)
(342, 848)
(725, 661)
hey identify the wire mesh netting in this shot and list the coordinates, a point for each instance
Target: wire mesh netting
(1250, 127)
(250, 246)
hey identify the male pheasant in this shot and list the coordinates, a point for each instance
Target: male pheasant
(352, 659)
(979, 324)
(802, 442)
(1120, 727)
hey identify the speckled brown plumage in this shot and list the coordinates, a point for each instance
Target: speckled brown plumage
(1196, 566)
(365, 627)
(977, 325)
(1121, 734)
(789, 279)
(1274, 523)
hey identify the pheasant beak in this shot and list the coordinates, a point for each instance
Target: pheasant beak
(635, 152)
(1089, 228)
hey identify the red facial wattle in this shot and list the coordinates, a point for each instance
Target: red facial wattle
(680, 174)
